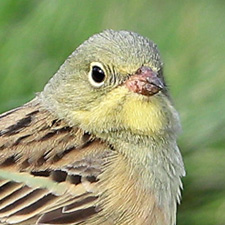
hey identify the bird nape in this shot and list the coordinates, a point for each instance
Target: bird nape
(98, 144)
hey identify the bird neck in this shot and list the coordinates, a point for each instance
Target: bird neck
(157, 164)
(153, 168)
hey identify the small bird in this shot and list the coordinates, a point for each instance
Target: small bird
(98, 144)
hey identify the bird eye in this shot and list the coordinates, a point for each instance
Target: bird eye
(96, 75)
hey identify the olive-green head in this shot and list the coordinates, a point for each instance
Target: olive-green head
(111, 82)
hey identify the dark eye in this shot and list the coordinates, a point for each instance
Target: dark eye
(96, 75)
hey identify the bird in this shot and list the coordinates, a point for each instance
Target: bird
(98, 145)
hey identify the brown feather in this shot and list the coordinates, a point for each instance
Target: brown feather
(35, 144)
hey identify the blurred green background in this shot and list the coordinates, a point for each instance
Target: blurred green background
(36, 37)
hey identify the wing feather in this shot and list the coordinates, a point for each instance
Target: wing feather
(48, 170)
(18, 194)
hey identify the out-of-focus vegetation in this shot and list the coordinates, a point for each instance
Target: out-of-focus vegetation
(36, 36)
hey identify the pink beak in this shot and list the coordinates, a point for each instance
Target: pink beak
(145, 82)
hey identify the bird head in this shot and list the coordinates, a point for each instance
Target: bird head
(113, 82)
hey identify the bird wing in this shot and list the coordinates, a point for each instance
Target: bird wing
(48, 170)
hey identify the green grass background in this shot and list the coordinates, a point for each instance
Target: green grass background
(36, 36)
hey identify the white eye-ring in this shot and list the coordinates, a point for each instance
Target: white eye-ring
(96, 74)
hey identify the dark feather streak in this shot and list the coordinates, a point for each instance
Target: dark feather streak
(54, 132)
(35, 206)
(80, 203)
(15, 128)
(57, 217)
(21, 201)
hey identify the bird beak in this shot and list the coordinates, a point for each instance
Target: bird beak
(145, 82)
